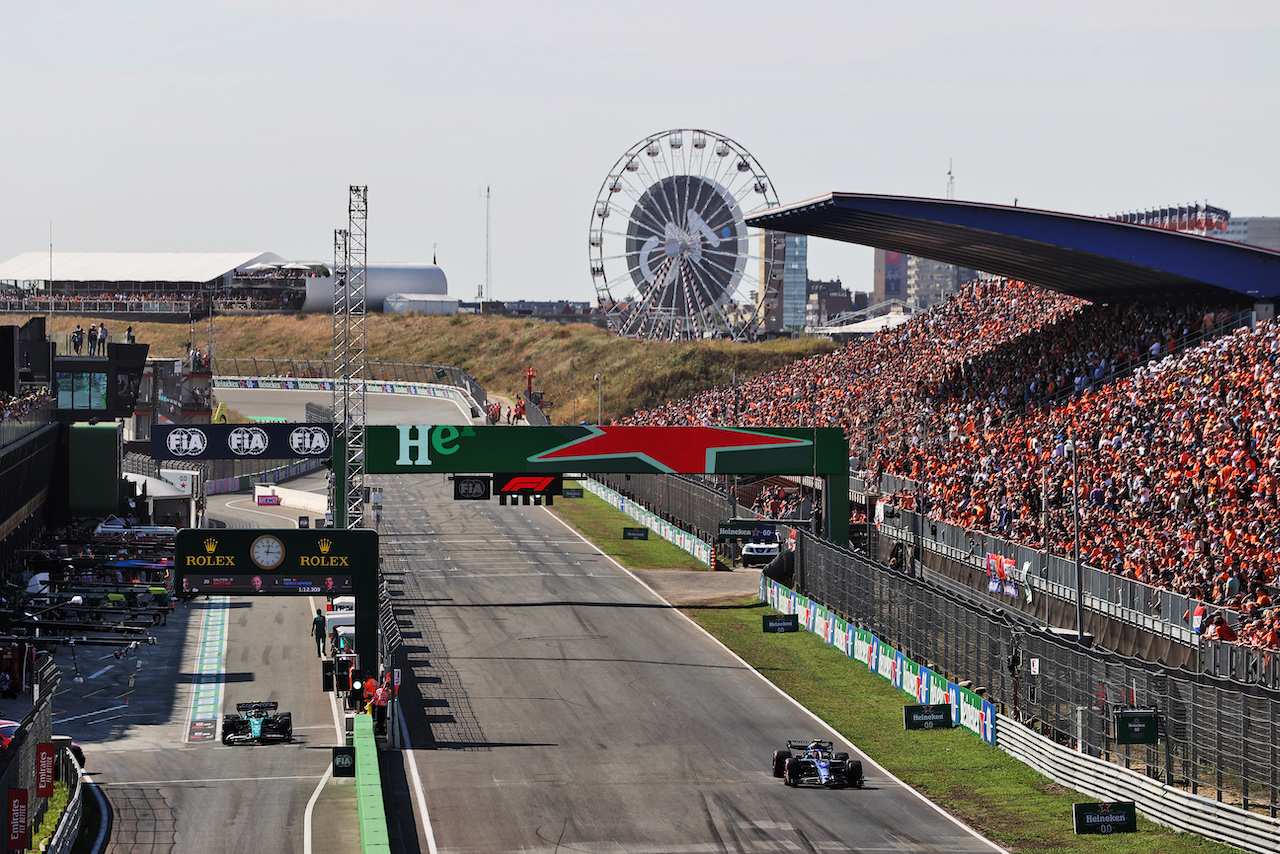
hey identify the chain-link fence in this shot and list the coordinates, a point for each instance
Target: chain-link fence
(697, 506)
(18, 763)
(1222, 735)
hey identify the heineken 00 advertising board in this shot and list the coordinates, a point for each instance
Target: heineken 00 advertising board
(1117, 817)
(936, 716)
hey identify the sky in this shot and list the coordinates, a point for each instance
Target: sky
(239, 125)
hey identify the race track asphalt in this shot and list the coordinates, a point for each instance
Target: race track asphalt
(555, 704)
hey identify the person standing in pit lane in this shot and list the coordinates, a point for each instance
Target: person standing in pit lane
(317, 630)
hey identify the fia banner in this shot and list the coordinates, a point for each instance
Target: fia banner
(265, 441)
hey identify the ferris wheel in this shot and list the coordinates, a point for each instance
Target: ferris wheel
(671, 257)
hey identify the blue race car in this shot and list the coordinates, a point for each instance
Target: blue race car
(814, 763)
(258, 723)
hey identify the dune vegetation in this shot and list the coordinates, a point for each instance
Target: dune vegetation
(494, 350)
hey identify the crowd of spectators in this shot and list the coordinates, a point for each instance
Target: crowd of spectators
(136, 304)
(14, 407)
(777, 502)
(982, 400)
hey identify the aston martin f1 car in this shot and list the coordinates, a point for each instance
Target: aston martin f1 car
(257, 723)
(813, 763)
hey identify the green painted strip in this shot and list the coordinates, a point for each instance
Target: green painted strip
(373, 814)
(202, 720)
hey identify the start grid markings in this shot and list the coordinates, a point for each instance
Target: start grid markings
(206, 694)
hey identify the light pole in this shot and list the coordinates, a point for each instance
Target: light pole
(600, 399)
(1070, 448)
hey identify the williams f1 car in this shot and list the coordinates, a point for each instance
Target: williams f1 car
(257, 723)
(813, 763)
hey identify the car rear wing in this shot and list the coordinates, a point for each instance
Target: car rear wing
(264, 706)
(804, 745)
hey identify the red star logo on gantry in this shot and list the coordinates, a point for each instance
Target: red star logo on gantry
(694, 453)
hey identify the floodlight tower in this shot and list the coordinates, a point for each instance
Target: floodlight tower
(349, 365)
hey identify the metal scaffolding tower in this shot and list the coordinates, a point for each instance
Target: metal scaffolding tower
(350, 367)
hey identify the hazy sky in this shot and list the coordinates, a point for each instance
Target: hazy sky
(238, 125)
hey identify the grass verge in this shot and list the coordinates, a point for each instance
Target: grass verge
(985, 788)
(603, 525)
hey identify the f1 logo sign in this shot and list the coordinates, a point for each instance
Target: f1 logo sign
(528, 484)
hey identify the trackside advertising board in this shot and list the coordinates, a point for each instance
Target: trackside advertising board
(968, 710)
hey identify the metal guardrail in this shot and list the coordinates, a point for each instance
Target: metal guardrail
(378, 370)
(69, 825)
(1109, 782)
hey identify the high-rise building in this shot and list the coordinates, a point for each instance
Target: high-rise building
(918, 281)
(795, 282)
(1261, 231)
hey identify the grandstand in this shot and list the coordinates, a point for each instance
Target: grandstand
(990, 412)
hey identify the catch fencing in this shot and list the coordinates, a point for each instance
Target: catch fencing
(1222, 735)
(1153, 609)
(697, 506)
(18, 763)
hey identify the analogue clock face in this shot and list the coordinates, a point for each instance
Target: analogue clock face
(267, 551)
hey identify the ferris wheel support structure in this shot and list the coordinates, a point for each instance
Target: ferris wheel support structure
(671, 254)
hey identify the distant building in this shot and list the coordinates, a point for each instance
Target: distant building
(795, 282)
(828, 299)
(918, 281)
(1261, 231)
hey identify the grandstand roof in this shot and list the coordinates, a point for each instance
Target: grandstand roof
(128, 266)
(1097, 259)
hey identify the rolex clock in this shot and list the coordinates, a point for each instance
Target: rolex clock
(267, 551)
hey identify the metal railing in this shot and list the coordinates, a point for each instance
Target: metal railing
(43, 305)
(1223, 735)
(34, 421)
(1109, 783)
(378, 370)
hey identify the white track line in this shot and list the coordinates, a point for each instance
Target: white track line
(311, 806)
(957, 822)
(417, 783)
(206, 780)
(328, 772)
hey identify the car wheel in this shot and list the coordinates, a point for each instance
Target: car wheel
(842, 757)
(854, 772)
(792, 773)
(780, 758)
